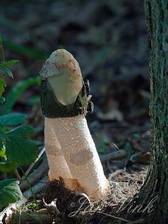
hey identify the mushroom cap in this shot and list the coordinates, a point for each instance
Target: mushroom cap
(59, 62)
(63, 73)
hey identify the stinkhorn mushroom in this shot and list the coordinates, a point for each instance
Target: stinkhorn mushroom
(70, 149)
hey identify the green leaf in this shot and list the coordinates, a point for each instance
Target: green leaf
(129, 149)
(5, 67)
(2, 99)
(20, 150)
(2, 152)
(12, 119)
(33, 53)
(17, 91)
(23, 131)
(102, 143)
(34, 100)
(2, 86)
(9, 63)
(9, 192)
(7, 166)
(2, 135)
(6, 71)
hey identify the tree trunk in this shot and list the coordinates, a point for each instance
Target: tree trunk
(154, 193)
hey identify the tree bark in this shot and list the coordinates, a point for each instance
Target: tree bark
(154, 193)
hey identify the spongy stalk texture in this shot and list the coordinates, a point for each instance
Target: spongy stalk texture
(72, 154)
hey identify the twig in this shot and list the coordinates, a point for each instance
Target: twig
(36, 188)
(116, 173)
(22, 217)
(9, 210)
(17, 174)
(113, 155)
(32, 165)
(41, 170)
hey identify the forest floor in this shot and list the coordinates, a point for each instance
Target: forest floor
(109, 40)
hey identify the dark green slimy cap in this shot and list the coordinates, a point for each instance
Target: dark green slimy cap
(63, 91)
(52, 108)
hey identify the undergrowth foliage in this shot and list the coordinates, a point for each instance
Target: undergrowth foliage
(16, 147)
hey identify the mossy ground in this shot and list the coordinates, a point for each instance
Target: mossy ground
(71, 207)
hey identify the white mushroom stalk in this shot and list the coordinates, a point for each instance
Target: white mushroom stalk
(70, 149)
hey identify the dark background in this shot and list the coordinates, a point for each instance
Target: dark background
(109, 39)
